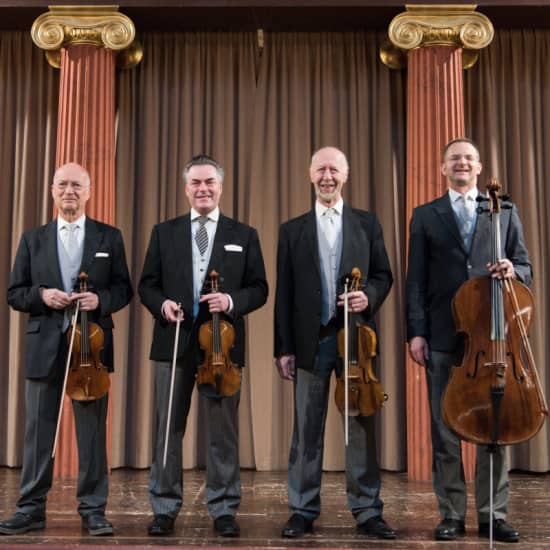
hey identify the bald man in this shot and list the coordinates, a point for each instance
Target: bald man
(46, 268)
(315, 251)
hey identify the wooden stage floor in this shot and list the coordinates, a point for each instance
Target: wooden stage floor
(410, 508)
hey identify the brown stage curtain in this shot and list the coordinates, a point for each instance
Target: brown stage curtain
(508, 114)
(201, 92)
(318, 89)
(192, 93)
(262, 116)
(28, 117)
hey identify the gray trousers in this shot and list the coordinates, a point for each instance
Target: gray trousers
(223, 486)
(42, 398)
(311, 395)
(447, 468)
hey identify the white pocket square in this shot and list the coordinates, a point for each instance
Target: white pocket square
(101, 254)
(233, 247)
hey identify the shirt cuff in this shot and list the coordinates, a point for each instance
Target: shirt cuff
(230, 300)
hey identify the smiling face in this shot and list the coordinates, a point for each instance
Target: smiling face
(328, 173)
(203, 188)
(461, 166)
(71, 190)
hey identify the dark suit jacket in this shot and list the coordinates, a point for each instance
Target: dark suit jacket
(36, 265)
(168, 274)
(298, 301)
(439, 263)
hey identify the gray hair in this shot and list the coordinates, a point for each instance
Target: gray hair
(201, 160)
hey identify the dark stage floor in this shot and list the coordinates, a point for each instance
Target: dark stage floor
(409, 507)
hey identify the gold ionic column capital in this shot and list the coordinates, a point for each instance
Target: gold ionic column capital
(103, 26)
(437, 25)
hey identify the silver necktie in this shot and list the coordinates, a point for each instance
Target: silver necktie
(329, 226)
(70, 241)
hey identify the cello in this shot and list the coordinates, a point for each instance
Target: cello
(358, 391)
(494, 397)
(218, 376)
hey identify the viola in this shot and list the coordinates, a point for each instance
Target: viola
(218, 376)
(357, 380)
(494, 397)
(87, 378)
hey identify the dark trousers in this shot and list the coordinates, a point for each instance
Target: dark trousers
(447, 468)
(42, 398)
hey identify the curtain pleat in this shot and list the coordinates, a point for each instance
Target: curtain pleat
(317, 89)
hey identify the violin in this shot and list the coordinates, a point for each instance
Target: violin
(87, 378)
(358, 390)
(494, 397)
(218, 376)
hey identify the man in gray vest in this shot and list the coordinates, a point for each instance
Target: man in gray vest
(315, 251)
(46, 267)
(182, 252)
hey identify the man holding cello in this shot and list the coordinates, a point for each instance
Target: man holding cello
(315, 251)
(47, 264)
(182, 254)
(449, 244)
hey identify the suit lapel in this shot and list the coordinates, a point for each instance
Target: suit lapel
(51, 247)
(92, 241)
(353, 242)
(311, 241)
(182, 246)
(445, 211)
(481, 231)
(224, 235)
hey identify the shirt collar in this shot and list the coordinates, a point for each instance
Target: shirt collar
(320, 209)
(61, 222)
(213, 215)
(471, 194)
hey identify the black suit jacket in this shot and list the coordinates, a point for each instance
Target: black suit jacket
(439, 263)
(298, 301)
(37, 266)
(168, 274)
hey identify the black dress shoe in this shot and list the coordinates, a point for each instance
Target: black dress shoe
(501, 531)
(449, 529)
(97, 525)
(21, 523)
(297, 526)
(226, 526)
(161, 526)
(376, 527)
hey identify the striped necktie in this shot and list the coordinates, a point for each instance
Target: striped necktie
(201, 236)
